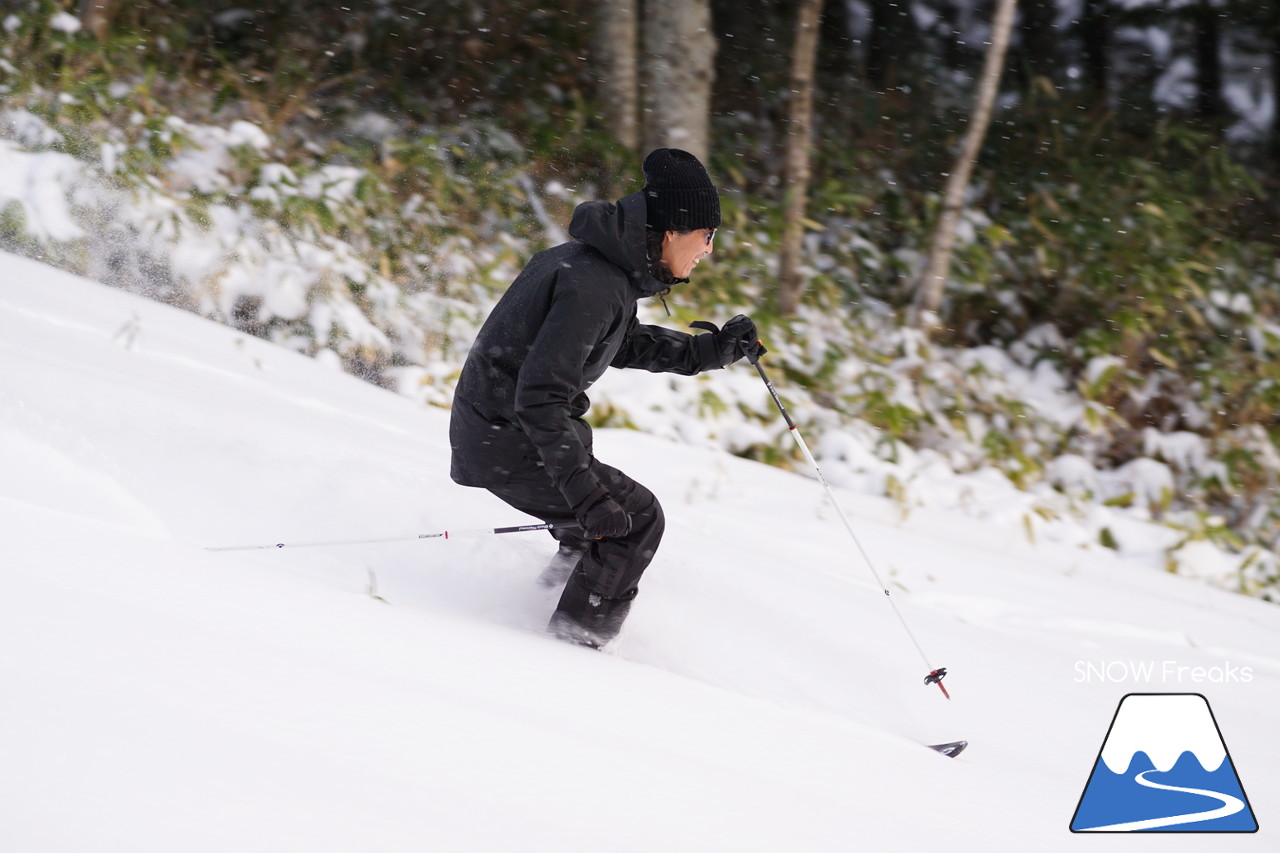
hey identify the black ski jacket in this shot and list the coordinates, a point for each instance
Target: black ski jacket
(569, 315)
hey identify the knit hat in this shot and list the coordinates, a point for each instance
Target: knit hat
(678, 192)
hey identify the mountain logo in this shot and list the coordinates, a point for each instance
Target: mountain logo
(1164, 767)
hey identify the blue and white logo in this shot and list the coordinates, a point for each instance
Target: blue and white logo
(1164, 767)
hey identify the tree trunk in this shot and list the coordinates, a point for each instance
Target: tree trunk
(1208, 64)
(679, 68)
(618, 81)
(1095, 36)
(933, 281)
(1275, 93)
(889, 43)
(1039, 40)
(95, 16)
(799, 144)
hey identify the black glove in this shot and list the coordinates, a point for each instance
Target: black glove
(601, 517)
(739, 339)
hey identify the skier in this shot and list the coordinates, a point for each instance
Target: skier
(517, 425)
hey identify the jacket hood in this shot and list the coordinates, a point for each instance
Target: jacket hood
(617, 231)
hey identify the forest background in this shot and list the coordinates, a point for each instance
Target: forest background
(361, 182)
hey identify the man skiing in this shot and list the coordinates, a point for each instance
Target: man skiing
(517, 425)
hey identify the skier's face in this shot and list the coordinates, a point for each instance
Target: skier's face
(681, 252)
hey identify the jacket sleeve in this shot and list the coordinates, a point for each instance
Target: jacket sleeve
(551, 376)
(660, 350)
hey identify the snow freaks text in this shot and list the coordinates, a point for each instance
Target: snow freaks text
(1163, 671)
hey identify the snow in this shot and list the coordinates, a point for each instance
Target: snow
(33, 181)
(65, 22)
(1163, 727)
(403, 696)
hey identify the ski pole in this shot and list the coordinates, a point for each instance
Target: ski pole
(443, 534)
(936, 674)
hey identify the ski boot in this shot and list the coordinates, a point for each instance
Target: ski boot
(561, 566)
(588, 619)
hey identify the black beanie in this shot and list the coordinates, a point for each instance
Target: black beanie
(678, 192)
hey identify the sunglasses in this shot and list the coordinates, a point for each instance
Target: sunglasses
(711, 234)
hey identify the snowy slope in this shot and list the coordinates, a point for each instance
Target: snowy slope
(159, 696)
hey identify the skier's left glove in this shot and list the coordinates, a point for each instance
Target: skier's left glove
(738, 339)
(601, 517)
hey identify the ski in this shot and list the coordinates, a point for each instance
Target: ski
(950, 750)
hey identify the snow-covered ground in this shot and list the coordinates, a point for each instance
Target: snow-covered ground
(159, 696)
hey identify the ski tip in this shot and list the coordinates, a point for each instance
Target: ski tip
(950, 750)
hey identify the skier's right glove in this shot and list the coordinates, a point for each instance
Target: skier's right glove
(738, 339)
(601, 517)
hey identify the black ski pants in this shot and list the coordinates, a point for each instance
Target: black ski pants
(610, 568)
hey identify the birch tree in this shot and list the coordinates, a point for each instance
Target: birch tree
(619, 84)
(678, 72)
(933, 281)
(799, 147)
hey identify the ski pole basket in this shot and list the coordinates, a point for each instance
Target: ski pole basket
(936, 677)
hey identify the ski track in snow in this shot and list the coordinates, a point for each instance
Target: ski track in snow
(1230, 805)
